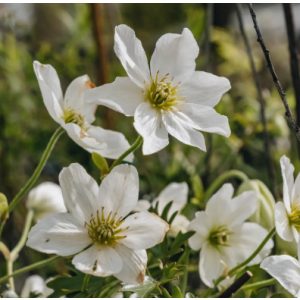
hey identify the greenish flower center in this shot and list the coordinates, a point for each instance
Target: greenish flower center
(105, 229)
(70, 116)
(219, 236)
(162, 94)
(294, 217)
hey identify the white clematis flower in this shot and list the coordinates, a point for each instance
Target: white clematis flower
(176, 193)
(170, 97)
(287, 213)
(76, 115)
(97, 227)
(44, 199)
(36, 285)
(223, 236)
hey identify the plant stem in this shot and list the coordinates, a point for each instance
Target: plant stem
(137, 143)
(36, 265)
(37, 172)
(238, 268)
(184, 281)
(258, 285)
(223, 177)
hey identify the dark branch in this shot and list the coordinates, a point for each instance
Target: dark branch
(288, 114)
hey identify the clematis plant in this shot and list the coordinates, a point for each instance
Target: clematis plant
(170, 97)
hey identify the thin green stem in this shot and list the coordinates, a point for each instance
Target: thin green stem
(222, 178)
(137, 143)
(258, 285)
(184, 281)
(238, 268)
(34, 266)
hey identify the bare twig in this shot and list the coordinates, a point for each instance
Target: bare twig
(288, 114)
(294, 62)
(236, 285)
(260, 98)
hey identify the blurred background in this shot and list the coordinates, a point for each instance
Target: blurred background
(78, 39)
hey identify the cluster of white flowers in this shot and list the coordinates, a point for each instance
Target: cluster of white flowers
(104, 227)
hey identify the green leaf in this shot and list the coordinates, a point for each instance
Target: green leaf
(142, 290)
(166, 210)
(177, 292)
(3, 208)
(179, 241)
(101, 163)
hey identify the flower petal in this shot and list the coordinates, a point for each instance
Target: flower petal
(179, 224)
(176, 126)
(74, 98)
(286, 270)
(143, 230)
(205, 118)
(36, 285)
(132, 55)
(204, 88)
(287, 170)
(119, 190)
(142, 205)
(51, 90)
(210, 264)
(175, 55)
(296, 190)
(80, 192)
(175, 192)
(134, 265)
(148, 123)
(282, 223)
(122, 95)
(59, 234)
(98, 261)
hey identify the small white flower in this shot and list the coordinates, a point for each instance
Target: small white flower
(76, 115)
(287, 214)
(97, 227)
(176, 193)
(45, 198)
(223, 236)
(36, 285)
(170, 96)
(286, 270)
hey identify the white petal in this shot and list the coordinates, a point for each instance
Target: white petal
(205, 118)
(287, 170)
(282, 222)
(98, 261)
(134, 265)
(179, 224)
(51, 90)
(121, 95)
(210, 264)
(178, 127)
(74, 98)
(46, 198)
(119, 190)
(35, 284)
(242, 207)
(286, 270)
(148, 123)
(108, 143)
(202, 226)
(204, 88)
(80, 192)
(143, 230)
(59, 234)
(142, 205)
(175, 192)
(132, 55)
(296, 190)
(175, 55)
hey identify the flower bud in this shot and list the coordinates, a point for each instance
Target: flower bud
(264, 214)
(3, 208)
(46, 198)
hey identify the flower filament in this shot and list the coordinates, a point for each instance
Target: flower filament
(105, 229)
(219, 236)
(70, 116)
(161, 93)
(294, 216)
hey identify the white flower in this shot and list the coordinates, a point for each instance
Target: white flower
(170, 96)
(44, 199)
(36, 285)
(176, 193)
(97, 229)
(287, 214)
(223, 236)
(76, 115)
(286, 270)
